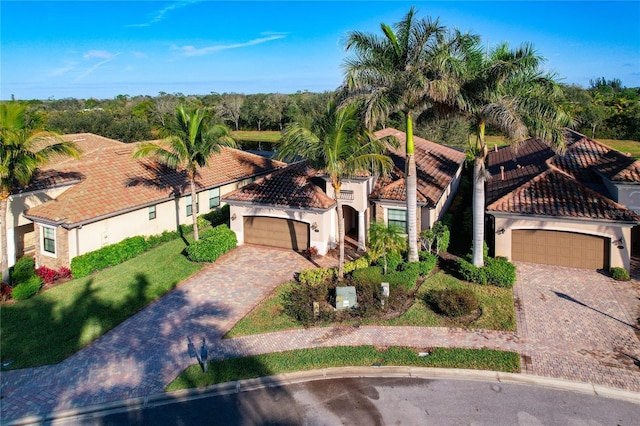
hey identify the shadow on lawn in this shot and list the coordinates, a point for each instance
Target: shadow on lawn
(139, 356)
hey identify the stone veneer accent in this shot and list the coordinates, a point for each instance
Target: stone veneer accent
(62, 249)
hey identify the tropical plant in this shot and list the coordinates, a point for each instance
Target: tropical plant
(339, 145)
(385, 240)
(24, 148)
(508, 90)
(189, 143)
(406, 70)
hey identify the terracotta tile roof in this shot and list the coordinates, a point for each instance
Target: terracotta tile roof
(436, 164)
(555, 194)
(113, 182)
(536, 181)
(287, 187)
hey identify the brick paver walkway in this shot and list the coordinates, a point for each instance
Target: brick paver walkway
(571, 324)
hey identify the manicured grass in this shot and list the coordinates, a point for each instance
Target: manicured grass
(496, 303)
(255, 136)
(625, 146)
(58, 322)
(498, 312)
(341, 356)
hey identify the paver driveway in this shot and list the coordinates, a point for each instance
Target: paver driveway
(143, 354)
(572, 323)
(579, 324)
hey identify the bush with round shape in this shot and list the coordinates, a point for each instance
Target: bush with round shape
(23, 270)
(27, 288)
(619, 274)
(453, 302)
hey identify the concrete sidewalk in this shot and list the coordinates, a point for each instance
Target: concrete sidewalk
(142, 355)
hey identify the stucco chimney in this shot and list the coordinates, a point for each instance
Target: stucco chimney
(502, 172)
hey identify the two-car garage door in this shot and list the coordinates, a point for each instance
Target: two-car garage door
(560, 248)
(276, 232)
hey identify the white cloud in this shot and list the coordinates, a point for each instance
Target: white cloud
(97, 54)
(159, 15)
(193, 51)
(66, 68)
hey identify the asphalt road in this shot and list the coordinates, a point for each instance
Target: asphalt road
(381, 401)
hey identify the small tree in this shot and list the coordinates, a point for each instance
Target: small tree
(427, 236)
(385, 240)
(442, 236)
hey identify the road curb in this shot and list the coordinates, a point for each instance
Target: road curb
(335, 373)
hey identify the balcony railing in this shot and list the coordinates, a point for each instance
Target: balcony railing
(346, 195)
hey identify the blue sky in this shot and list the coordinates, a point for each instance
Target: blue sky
(82, 49)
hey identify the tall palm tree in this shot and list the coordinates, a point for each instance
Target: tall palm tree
(385, 240)
(24, 149)
(338, 144)
(189, 143)
(407, 71)
(507, 90)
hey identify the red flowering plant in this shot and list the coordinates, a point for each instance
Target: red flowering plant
(48, 275)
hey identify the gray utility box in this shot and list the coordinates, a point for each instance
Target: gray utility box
(346, 297)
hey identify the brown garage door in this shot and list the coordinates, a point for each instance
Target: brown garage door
(275, 232)
(560, 248)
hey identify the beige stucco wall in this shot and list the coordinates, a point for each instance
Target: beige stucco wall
(18, 203)
(361, 189)
(323, 239)
(618, 257)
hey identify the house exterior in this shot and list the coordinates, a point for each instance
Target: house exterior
(577, 208)
(76, 206)
(295, 207)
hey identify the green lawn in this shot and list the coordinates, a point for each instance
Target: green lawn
(256, 136)
(631, 147)
(58, 322)
(497, 310)
(341, 356)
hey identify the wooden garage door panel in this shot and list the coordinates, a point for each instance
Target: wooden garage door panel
(560, 248)
(276, 232)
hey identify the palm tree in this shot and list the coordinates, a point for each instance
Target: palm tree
(189, 143)
(338, 144)
(385, 240)
(24, 149)
(404, 71)
(507, 90)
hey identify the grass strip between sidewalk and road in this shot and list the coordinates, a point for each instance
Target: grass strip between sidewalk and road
(54, 324)
(249, 367)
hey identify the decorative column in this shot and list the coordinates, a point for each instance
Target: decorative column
(361, 232)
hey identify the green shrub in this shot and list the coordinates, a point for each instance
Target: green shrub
(368, 275)
(110, 255)
(427, 262)
(619, 274)
(453, 302)
(500, 272)
(497, 271)
(361, 262)
(23, 270)
(317, 276)
(471, 273)
(402, 279)
(27, 288)
(217, 217)
(219, 241)
(393, 261)
(166, 236)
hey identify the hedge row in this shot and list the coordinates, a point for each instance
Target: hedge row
(213, 243)
(110, 255)
(320, 275)
(497, 271)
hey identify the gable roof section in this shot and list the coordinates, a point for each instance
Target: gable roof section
(554, 194)
(533, 180)
(287, 187)
(111, 182)
(436, 164)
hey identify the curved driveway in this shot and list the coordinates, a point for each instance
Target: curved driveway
(573, 324)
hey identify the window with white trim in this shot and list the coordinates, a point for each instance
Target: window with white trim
(49, 240)
(190, 205)
(398, 218)
(152, 212)
(214, 198)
